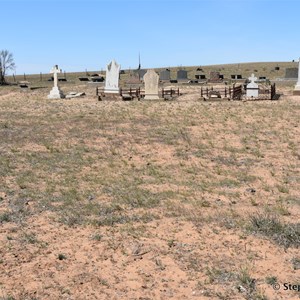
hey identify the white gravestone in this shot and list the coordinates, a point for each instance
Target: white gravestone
(112, 78)
(252, 87)
(297, 86)
(151, 79)
(55, 93)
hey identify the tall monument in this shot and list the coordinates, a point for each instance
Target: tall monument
(55, 93)
(297, 86)
(112, 78)
(151, 80)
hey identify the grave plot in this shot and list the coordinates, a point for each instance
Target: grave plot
(221, 93)
(255, 91)
(250, 91)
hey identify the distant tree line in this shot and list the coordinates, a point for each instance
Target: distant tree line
(6, 63)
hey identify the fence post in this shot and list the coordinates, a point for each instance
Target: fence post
(24, 76)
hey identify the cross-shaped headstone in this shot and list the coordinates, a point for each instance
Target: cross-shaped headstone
(55, 70)
(252, 78)
(252, 87)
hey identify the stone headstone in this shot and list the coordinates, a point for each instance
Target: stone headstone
(297, 86)
(55, 93)
(214, 76)
(291, 73)
(141, 73)
(252, 87)
(151, 79)
(182, 75)
(165, 75)
(112, 78)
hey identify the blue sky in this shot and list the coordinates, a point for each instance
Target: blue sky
(79, 35)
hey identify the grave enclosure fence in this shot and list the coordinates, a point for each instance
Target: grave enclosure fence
(127, 93)
(237, 92)
(234, 92)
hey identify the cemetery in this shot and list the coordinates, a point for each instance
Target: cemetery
(148, 87)
(116, 84)
(128, 184)
(150, 150)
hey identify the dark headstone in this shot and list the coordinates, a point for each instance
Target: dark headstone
(62, 79)
(83, 79)
(164, 75)
(97, 79)
(277, 68)
(291, 73)
(173, 81)
(182, 75)
(141, 73)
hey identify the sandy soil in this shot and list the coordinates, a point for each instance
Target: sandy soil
(212, 164)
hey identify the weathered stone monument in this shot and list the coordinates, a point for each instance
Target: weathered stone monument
(182, 75)
(151, 79)
(165, 75)
(55, 93)
(291, 73)
(215, 77)
(112, 78)
(141, 73)
(297, 86)
(252, 87)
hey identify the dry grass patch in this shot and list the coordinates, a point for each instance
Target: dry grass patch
(153, 199)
